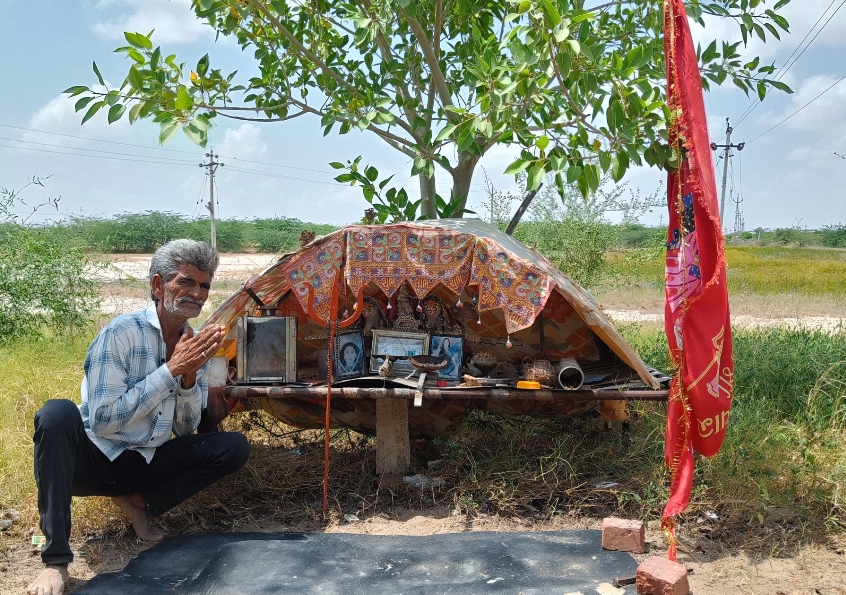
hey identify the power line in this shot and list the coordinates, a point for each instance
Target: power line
(161, 159)
(800, 109)
(151, 160)
(272, 175)
(31, 142)
(97, 140)
(788, 64)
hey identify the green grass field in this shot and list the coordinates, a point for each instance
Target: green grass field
(767, 270)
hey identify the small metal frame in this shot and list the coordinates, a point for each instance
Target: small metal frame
(267, 349)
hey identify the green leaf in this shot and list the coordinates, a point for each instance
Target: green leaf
(202, 123)
(552, 14)
(82, 103)
(99, 76)
(203, 66)
(115, 112)
(575, 46)
(92, 110)
(535, 179)
(604, 160)
(781, 86)
(619, 165)
(135, 79)
(542, 142)
(445, 132)
(74, 91)
(168, 131)
(371, 172)
(591, 174)
(516, 167)
(184, 101)
(337, 165)
(134, 112)
(573, 173)
(196, 135)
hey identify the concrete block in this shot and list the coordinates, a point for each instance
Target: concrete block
(660, 576)
(623, 535)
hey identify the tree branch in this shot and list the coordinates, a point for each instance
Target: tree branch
(302, 49)
(429, 54)
(520, 210)
(430, 100)
(563, 88)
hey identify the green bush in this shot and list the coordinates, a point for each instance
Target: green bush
(833, 236)
(45, 283)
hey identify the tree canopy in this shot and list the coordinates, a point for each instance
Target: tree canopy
(578, 89)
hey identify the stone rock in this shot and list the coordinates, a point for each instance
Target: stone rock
(623, 535)
(660, 576)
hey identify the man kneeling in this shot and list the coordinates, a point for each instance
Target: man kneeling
(145, 381)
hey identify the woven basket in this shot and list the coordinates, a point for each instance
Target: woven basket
(540, 371)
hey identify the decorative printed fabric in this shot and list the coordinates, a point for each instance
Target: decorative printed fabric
(508, 282)
(696, 310)
(424, 258)
(312, 273)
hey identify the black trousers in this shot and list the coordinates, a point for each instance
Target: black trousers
(68, 464)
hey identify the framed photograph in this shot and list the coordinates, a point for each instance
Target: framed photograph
(452, 348)
(348, 357)
(398, 344)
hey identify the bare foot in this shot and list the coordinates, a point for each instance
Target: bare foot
(136, 509)
(51, 581)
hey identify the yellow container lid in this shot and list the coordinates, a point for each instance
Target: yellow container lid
(528, 384)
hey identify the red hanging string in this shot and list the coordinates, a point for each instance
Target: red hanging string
(330, 356)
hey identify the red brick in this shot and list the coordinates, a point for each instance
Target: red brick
(660, 576)
(623, 535)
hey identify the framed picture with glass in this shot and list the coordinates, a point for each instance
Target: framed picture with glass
(400, 345)
(452, 348)
(348, 361)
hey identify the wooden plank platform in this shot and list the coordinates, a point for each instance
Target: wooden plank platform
(499, 393)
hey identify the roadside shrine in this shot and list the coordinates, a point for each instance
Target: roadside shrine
(432, 319)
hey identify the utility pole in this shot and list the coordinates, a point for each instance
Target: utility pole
(211, 167)
(728, 147)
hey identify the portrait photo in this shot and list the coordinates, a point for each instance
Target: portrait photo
(452, 348)
(349, 356)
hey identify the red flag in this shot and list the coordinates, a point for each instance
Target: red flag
(696, 311)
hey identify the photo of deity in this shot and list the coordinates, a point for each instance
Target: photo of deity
(452, 348)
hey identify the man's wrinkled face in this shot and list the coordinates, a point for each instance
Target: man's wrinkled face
(186, 292)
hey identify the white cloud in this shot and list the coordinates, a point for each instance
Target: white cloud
(243, 143)
(826, 116)
(173, 20)
(58, 116)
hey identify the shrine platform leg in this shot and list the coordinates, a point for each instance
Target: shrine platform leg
(393, 447)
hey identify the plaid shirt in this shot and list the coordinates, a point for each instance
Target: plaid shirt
(130, 400)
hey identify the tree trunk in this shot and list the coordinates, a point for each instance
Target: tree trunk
(427, 193)
(462, 175)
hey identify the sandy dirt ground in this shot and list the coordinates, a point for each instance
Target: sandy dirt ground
(760, 565)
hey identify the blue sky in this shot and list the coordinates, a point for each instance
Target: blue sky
(787, 177)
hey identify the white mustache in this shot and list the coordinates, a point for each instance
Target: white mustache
(190, 301)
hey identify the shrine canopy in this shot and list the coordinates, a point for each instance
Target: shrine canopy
(510, 284)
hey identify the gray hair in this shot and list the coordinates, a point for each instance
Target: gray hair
(167, 259)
